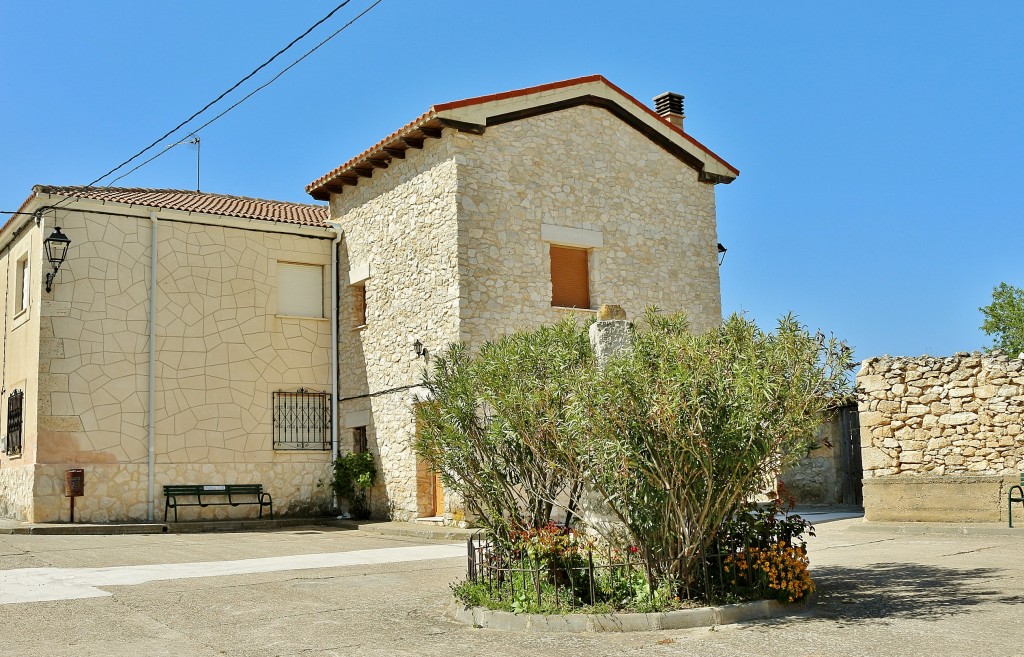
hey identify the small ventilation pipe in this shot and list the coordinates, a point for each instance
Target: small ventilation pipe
(670, 107)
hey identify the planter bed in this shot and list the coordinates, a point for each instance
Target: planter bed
(624, 622)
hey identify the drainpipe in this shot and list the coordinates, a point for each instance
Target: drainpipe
(151, 474)
(334, 340)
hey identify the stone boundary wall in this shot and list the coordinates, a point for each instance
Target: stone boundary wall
(952, 424)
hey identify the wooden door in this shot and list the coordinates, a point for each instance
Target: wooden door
(429, 489)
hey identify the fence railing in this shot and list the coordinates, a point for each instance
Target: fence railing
(523, 575)
(571, 578)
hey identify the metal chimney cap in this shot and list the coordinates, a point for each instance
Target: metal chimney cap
(669, 103)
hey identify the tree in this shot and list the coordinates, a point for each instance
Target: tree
(1004, 319)
(494, 419)
(676, 434)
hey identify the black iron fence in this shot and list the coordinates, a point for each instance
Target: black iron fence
(530, 577)
(571, 578)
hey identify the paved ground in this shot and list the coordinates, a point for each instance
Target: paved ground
(880, 594)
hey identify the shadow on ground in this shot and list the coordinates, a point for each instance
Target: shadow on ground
(901, 590)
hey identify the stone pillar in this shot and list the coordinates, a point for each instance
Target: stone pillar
(609, 335)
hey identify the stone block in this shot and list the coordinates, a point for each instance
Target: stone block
(957, 419)
(925, 498)
(872, 383)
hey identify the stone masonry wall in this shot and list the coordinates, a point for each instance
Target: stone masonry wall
(450, 237)
(941, 416)
(580, 168)
(400, 226)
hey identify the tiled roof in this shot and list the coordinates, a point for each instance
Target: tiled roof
(453, 114)
(302, 214)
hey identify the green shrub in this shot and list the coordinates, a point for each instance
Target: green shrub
(354, 476)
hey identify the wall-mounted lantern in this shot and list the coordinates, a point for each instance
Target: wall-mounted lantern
(721, 254)
(56, 251)
(418, 347)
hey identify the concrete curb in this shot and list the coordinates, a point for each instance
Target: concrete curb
(668, 620)
(966, 529)
(75, 529)
(409, 529)
(402, 529)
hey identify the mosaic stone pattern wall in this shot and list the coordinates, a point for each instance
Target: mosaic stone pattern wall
(221, 352)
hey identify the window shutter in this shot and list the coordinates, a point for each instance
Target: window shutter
(570, 277)
(300, 290)
(26, 286)
(359, 305)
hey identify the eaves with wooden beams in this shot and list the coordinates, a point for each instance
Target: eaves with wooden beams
(475, 115)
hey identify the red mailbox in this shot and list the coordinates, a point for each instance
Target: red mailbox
(74, 486)
(74, 483)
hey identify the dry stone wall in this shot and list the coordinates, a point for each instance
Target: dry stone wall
(942, 416)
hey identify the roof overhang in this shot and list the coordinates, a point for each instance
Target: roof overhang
(42, 202)
(475, 115)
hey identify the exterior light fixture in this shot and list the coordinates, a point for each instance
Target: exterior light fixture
(418, 347)
(721, 254)
(56, 251)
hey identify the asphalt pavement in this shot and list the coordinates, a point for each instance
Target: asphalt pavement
(318, 591)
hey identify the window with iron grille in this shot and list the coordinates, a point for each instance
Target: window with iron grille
(15, 414)
(302, 420)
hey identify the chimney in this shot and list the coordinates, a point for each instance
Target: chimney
(670, 107)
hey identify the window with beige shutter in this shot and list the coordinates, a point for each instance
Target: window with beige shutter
(570, 277)
(300, 290)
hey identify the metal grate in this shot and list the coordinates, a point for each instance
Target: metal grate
(15, 413)
(302, 420)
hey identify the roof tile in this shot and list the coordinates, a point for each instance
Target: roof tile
(303, 214)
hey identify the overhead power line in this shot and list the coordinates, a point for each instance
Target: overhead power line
(239, 102)
(221, 96)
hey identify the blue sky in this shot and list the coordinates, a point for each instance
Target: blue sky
(879, 143)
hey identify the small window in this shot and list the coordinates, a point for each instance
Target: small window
(302, 420)
(570, 277)
(23, 291)
(358, 305)
(15, 415)
(359, 444)
(300, 290)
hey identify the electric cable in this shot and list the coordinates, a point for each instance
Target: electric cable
(221, 96)
(247, 96)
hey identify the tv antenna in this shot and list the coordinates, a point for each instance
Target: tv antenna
(194, 141)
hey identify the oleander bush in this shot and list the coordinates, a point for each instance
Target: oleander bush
(674, 437)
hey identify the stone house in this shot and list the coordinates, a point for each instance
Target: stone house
(505, 212)
(241, 323)
(276, 335)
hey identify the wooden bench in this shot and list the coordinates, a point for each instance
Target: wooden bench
(1018, 498)
(250, 494)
